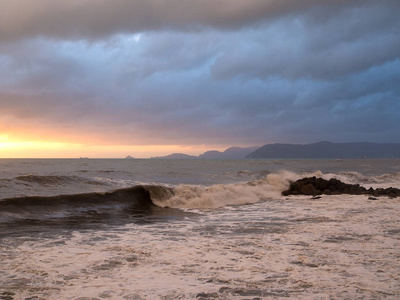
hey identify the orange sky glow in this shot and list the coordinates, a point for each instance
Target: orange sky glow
(26, 148)
(141, 78)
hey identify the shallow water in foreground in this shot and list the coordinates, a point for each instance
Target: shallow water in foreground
(195, 230)
(337, 247)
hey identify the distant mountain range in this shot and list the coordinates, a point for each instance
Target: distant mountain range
(328, 150)
(299, 151)
(230, 153)
(175, 156)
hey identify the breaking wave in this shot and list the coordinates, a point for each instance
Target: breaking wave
(47, 180)
(216, 196)
(381, 181)
(143, 199)
(146, 199)
(128, 201)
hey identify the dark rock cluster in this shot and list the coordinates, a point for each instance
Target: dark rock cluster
(314, 186)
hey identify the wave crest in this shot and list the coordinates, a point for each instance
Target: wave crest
(380, 181)
(216, 196)
(134, 199)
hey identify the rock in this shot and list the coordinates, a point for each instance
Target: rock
(327, 192)
(332, 188)
(358, 190)
(308, 189)
(313, 186)
(321, 184)
(311, 265)
(206, 295)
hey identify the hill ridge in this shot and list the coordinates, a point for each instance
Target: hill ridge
(325, 149)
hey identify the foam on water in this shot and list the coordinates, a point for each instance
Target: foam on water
(236, 236)
(191, 196)
(380, 181)
(338, 247)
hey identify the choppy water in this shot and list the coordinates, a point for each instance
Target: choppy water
(192, 229)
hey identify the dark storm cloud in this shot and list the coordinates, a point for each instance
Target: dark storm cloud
(194, 72)
(295, 48)
(96, 19)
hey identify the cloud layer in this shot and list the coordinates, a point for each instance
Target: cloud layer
(95, 19)
(194, 72)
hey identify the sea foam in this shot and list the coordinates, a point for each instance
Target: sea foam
(216, 196)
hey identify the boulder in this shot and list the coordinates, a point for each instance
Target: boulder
(312, 186)
(308, 189)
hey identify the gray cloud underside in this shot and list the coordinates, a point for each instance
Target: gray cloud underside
(244, 72)
(93, 19)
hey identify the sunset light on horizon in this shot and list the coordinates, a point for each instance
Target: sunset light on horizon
(192, 149)
(147, 78)
(48, 149)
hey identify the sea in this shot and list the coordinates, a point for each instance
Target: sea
(195, 229)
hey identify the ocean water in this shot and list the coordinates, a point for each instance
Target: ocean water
(195, 229)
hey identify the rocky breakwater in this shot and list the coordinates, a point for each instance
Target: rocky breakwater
(314, 186)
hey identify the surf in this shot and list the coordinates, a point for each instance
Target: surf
(130, 204)
(128, 201)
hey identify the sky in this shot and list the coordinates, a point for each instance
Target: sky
(111, 78)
